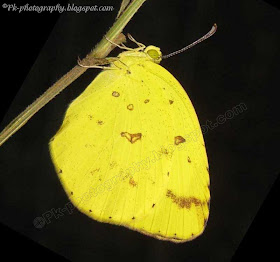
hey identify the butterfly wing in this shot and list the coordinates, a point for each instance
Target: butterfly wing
(130, 152)
(184, 207)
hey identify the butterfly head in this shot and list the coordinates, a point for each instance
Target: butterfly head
(153, 53)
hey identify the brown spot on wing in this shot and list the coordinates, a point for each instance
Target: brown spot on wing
(164, 151)
(171, 102)
(189, 160)
(147, 101)
(178, 140)
(130, 107)
(113, 164)
(89, 145)
(100, 122)
(183, 202)
(116, 94)
(132, 138)
(94, 171)
(132, 182)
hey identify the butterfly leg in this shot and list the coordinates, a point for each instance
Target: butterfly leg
(121, 46)
(107, 60)
(97, 63)
(127, 68)
(140, 45)
(118, 64)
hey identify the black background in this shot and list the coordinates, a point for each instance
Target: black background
(238, 64)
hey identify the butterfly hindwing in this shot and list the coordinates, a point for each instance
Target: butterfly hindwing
(130, 152)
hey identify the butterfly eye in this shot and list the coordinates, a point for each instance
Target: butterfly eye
(154, 53)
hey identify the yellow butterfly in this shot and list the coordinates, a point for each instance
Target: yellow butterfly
(130, 150)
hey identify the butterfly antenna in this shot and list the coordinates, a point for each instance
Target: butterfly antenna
(210, 33)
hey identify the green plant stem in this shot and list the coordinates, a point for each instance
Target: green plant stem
(101, 50)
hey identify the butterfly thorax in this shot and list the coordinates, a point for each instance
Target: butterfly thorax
(150, 53)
